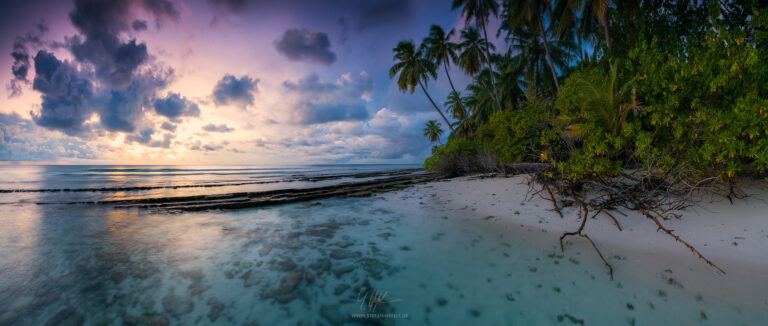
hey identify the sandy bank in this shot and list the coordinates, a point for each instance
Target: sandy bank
(734, 236)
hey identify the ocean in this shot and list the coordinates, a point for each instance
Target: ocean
(394, 258)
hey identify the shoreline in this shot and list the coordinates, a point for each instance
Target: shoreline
(734, 236)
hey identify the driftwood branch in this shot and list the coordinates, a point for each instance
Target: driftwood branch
(657, 197)
(580, 233)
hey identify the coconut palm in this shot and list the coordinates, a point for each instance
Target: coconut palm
(433, 131)
(414, 70)
(457, 109)
(572, 24)
(472, 56)
(531, 13)
(510, 79)
(439, 48)
(480, 11)
(531, 59)
(588, 14)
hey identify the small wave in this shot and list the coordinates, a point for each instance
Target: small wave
(136, 188)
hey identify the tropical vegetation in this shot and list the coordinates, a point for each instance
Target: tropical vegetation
(641, 100)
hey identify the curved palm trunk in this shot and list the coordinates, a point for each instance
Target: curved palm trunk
(445, 65)
(549, 57)
(435, 105)
(607, 35)
(488, 63)
(581, 51)
(607, 39)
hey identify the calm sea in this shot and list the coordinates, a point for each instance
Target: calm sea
(79, 183)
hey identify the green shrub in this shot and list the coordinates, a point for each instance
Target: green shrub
(456, 157)
(515, 136)
(588, 138)
(705, 107)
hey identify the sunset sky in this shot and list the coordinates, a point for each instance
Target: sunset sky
(213, 81)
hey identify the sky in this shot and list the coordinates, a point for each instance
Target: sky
(213, 81)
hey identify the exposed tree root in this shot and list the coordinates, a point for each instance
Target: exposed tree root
(554, 201)
(657, 198)
(678, 239)
(579, 233)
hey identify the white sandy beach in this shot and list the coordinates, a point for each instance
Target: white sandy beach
(734, 236)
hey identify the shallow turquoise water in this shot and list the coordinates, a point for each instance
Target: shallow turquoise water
(317, 263)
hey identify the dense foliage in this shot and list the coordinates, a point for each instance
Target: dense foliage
(676, 89)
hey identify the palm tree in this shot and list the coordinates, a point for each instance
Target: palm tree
(511, 78)
(531, 14)
(480, 11)
(590, 13)
(531, 58)
(607, 102)
(414, 70)
(457, 109)
(439, 48)
(570, 23)
(433, 131)
(472, 57)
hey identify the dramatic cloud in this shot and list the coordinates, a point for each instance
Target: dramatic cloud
(233, 5)
(168, 126)
(109, 78)
(321, 102)
(125, 107)
(233, 91)
(22, 140)
(70, 98)
(175, 106)
(100, 22)
(374, 13)
(66, 95)
(301, 44)
(139, 25)
(20, 66)
(20, 55)
(217, 128)
(144, 137)
(161, 8)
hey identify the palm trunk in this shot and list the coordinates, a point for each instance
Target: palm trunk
(607, 39)
(445, 65)
(488, 63)
(607, 35)
(549, 57)
(435, 105)
(581, 51)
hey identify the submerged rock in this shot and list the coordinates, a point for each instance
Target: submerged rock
(194, 274)
(310, 278)
(290, 282)
(147, 320)
(321, 232)
(216, 308)
(340, 289)
(66, 317)
(375, 268)
(332, 313)
(343, 270)
(321, 265)
(286, 265)
(176, 305)
(385, 235)
(340, 254)
(344, 244)
(251, 278)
